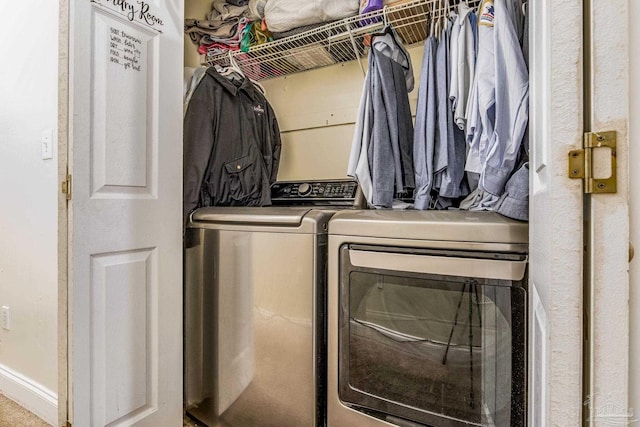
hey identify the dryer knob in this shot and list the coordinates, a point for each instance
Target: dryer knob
(304, 189)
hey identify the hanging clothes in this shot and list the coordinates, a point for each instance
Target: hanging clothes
(514, 202)
(453, 185)
(358, 166)
(231, 145)
(498, 103)
(441, 154)
(440, 148)
(463, 62)
(382, 150)
(192, 78)
(425, 128)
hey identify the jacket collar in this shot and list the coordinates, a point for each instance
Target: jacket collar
(246, 86)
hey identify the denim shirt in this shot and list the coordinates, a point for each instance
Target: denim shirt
(498, 113)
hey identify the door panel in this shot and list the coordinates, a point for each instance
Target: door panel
(123, 313)
(124, 92)
(126, 240)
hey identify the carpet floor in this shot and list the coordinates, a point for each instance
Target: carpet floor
(14, 415)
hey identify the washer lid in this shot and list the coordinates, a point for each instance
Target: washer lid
(289, 216)
(450, 225)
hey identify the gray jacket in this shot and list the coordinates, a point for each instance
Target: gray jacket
(384, 131)
(231, 145)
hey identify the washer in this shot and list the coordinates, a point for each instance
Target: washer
(255, 303)
(427, 319)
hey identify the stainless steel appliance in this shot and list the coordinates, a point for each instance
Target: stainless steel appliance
(427, 319)
(255, 301)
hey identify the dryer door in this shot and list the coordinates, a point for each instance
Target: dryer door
(431, 336)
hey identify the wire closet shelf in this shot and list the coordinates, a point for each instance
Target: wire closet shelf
(336, 42)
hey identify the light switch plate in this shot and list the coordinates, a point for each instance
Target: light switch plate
(47, 144)
(5, 317)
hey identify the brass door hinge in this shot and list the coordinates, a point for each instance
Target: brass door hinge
(581, 162)
(66, 186)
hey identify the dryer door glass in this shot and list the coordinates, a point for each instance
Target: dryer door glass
(437, 349)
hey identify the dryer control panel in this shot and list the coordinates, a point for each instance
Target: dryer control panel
(314, 192)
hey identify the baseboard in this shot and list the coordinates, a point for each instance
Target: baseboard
(29, 394)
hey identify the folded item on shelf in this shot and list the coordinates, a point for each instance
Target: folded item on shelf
(208, 42)
(221, 23)
(256, 9)
(215, 48)
(254, 35)
(197, 28)
(284, 15)
(223, 11)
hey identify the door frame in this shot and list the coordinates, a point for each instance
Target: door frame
(600, 372)
(64, 284)
(606, 293)
(634, 209)
(634, 198)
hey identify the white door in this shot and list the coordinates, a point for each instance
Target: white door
(562, 108)
(125, 304)
(555, 276)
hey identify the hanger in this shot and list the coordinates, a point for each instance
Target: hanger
(233, 64)
(445, 14)
(236, 68)
(437, 26)
(224, 71)
(227, 70)
(432, 23)
(387, 28)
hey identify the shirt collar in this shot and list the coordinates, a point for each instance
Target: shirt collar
(245, 86)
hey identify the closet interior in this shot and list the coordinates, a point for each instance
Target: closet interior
(316, 83)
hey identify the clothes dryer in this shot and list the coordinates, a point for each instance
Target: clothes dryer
(427, 319)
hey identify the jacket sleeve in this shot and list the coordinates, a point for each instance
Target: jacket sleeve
(197, 145)
(276, 148)
(356, 144)
(424, 130)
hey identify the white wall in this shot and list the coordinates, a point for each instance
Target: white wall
(634, 208)
(317, 124)
(28, 197)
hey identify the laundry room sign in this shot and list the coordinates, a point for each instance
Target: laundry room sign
(138, 11)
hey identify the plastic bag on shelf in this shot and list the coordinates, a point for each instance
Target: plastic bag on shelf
(284, 15)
